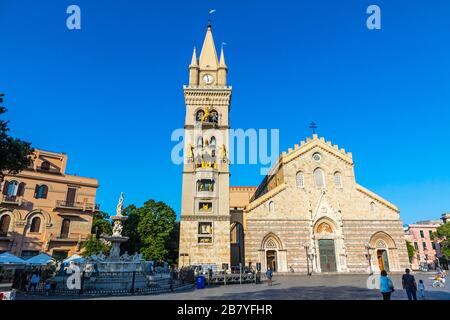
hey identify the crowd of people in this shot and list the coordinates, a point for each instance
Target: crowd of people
(409, 284)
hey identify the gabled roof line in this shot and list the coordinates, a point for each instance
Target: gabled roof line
(320, 142)
(376, 197)
(257, 202)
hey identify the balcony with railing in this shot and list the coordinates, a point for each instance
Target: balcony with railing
(67, 237)
(83, 206)
(12, 200)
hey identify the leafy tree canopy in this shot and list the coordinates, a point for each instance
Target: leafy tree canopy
(92, 245)
(442, 235)
(149, 229)
(101, 224)
(15, 154)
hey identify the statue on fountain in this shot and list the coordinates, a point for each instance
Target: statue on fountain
(117, 229)
(120, 206)
(116, 238)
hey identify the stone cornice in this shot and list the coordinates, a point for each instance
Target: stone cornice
(198, 217)
(65, 179)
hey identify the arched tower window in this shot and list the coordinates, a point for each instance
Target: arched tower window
(319, 178)
(5, 221)
(35, 224)
(214, 117)
(200, 142)
(213, 142)
(338, 180)
(300, 180)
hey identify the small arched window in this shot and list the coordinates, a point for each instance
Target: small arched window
(271, 207)
(199, 115)
(5, 221)
(319, 178)
(213, 142)
(199, 142)
(338, 180)
(35, 224)
(41, 191)
(45, 165)
(65, 226)
(214, 117)
(372, 207)
(300, 180)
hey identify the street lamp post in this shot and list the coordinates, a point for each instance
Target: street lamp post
(367, 246)
(306, 246)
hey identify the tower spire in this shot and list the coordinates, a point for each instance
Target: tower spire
(208, 55)
(222, 57)
(194, 59)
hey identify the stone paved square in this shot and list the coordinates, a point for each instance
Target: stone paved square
(290, 287)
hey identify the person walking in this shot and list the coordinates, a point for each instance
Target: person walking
(410, 285)
(34, 281)
(386, 285)
(269, 275)
(421, 287)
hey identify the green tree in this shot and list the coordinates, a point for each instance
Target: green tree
(92, 245)
(442, 235)
(15, 154)
(411, 250)
(101, 224)
(173, 244)
(149, 229)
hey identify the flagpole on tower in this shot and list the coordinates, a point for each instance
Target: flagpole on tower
(209, 17)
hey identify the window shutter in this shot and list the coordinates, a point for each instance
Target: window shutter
(5, 187)
(36, 191)
(21, 189)
(44, 193)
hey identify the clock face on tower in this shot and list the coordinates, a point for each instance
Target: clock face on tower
(208, 79)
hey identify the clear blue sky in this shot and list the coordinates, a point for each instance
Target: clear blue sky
(110, 95)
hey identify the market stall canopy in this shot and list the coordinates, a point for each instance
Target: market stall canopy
(9, 258)
(41, 259)
(75, 258)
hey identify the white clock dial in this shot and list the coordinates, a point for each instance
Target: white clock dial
(208, 79)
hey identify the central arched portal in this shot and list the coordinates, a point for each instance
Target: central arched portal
(325, 234)
(327, 255)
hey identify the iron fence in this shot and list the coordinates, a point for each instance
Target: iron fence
(116, 283)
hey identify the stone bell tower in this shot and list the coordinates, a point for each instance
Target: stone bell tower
(205, 212)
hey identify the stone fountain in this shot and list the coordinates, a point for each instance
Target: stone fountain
(116, 238)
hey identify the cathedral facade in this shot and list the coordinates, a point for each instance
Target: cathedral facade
(308, 215)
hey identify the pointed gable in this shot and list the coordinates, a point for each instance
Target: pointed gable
(208, 55)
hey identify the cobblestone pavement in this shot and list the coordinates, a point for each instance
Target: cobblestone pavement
(301, 287)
